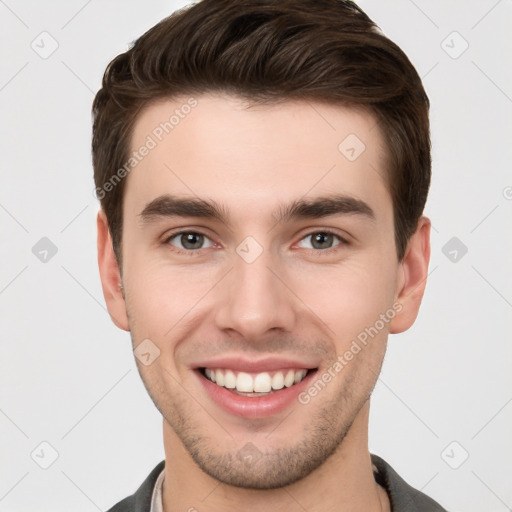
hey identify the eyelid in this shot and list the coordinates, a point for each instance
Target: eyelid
(184, 230)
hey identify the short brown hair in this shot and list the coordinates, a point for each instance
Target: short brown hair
(268, 51)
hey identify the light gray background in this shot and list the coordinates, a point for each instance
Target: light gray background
(68, 376)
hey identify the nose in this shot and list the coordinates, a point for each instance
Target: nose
(256, 299)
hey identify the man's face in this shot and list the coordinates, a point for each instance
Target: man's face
(253, 293)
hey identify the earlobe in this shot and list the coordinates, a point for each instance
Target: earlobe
(110, 275)
(412, 277)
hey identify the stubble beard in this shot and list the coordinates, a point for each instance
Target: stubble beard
(266, 468)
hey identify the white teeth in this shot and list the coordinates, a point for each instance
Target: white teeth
(278, 381)
(219, 377)
(261, 383)
(244, 383)
(229, 380)
(289, 379)
(299, 376)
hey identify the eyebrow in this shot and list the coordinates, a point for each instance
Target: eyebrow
(335, 204)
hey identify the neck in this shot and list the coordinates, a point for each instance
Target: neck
(344, 481)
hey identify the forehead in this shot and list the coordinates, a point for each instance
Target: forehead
(252, 157)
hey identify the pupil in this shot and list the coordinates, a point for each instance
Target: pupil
(321, 238)
(191, 240)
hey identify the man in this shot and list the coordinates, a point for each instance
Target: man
(262, 168)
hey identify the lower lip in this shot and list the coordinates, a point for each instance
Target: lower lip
(258, 406)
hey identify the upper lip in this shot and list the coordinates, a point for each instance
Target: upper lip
(266, 364)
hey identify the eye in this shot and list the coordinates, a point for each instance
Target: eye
(188, 241)
(323, 240)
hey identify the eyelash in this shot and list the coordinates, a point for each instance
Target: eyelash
(194, 252)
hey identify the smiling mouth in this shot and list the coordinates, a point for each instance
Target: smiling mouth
(255, 384)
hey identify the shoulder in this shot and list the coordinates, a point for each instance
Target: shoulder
(402, 496)
(140, 500)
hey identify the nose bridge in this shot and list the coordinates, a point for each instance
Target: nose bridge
(256, 300)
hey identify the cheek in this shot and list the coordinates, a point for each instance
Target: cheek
(161, 296)
(349, 297)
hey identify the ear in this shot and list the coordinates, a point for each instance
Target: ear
(412, 277)
(110, 275)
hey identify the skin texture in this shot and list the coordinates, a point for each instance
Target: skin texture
(295, 300)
